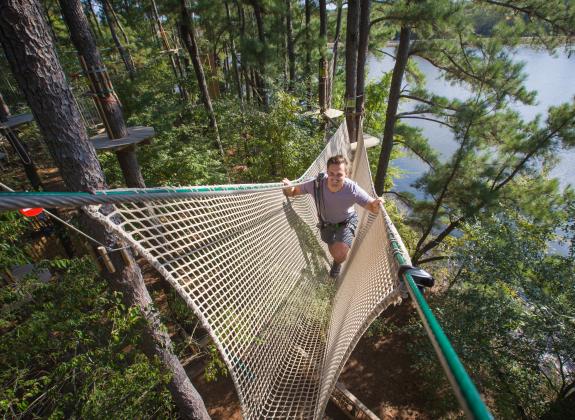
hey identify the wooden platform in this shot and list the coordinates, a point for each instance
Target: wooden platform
(368, 140)
(330, 113)
(333, 113)
(16, 121)
(135, 135)
(350, 405)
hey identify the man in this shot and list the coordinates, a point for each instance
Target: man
(335, 199)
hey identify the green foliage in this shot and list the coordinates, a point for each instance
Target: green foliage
(68, 348)
(12, 227)
(264, 146)
(215, 366)
(508, 311)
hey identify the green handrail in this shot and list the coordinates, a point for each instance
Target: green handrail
(461, 383)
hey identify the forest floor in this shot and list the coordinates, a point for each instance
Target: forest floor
(378, 373)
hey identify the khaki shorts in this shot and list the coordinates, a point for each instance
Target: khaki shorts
(340, 232)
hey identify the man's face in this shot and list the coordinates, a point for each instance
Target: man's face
(336, 175)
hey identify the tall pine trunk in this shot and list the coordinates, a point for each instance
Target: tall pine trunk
(260, 73)
(235, 69)
(351, 47)
(322, 85)
(335, 51)
(307, 64)
(170, 52)
(189, 39)
(30, 52)
(392, 103)
(290, 46)
(364, 25)
(123, 51)
(108, 102)
(92, 14)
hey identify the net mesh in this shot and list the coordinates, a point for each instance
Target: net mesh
(253, 270)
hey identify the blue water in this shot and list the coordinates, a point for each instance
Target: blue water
(550, 76)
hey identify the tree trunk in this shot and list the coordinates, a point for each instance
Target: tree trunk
(392, 104)
(235, 70)
(260, 73)
(124, 53)
(290, 46)
(92, 14)
(322, 85)
(23, 30)
(361, 58)
(4, 110)
(307, 64)
(351, 46)
(107, 102)
(169, 51)
(118, 23)
(189, 39)
(335, 50)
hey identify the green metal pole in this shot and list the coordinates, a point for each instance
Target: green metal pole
(461, 383)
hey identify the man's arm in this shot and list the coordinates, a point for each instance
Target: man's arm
(290, 191)
(365, 200)
(373, 206)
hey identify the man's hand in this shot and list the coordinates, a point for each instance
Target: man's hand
(374, 205)
(289, 191)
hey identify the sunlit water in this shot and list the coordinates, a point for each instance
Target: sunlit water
(550, 76)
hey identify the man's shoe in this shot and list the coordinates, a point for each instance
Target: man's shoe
(335, 270)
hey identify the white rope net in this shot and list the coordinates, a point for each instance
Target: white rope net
(253, 269)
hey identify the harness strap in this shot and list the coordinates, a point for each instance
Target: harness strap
(317, 190)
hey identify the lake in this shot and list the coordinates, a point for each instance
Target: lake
(550, 76)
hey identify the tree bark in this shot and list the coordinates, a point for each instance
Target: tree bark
(351, 47)
(4, 110)
(235, 69)
(322, 85)
(92, 14)
(23, 30)
(118, 23)
(290, 46)
(335, 51)
(392, 103)
(124, 53)
(107, 102)
(260, 73)
(307, 64)
(189, 39)
(167, 48)
(364, 27)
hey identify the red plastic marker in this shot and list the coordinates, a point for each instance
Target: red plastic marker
(31, 212)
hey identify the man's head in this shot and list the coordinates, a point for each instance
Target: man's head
(336, 171)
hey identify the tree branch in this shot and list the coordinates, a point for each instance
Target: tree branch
(428, 119)
(427, 260)
(427, 101)
(415, 152)
(407, 201)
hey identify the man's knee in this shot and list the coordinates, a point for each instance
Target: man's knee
(339, 251)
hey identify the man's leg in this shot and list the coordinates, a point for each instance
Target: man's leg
(338, 251)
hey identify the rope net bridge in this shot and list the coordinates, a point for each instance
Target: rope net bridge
(252, 268)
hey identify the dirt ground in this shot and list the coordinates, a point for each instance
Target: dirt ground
(378, 373)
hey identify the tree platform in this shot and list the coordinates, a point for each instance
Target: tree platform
(368, 140)
(136, 135)
(16, 121)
